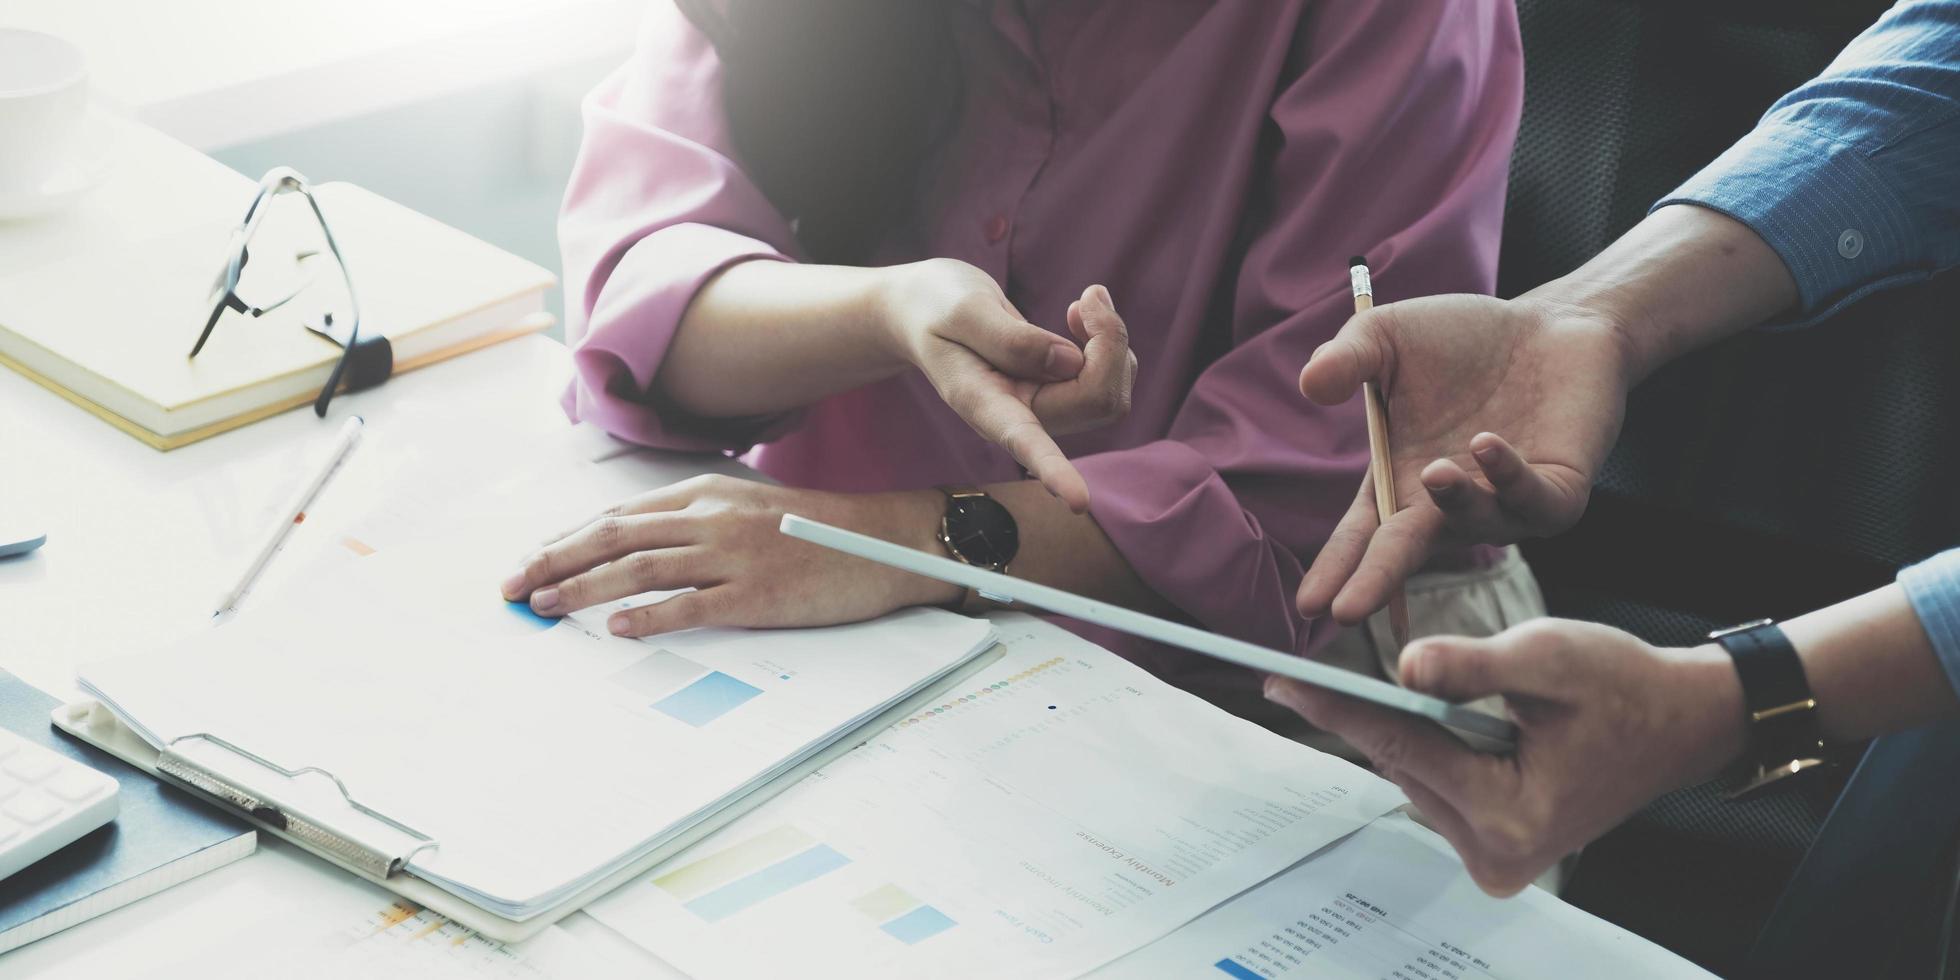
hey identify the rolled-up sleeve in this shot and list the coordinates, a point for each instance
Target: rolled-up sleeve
(656, 206)
(1393, 141)
(1933, 588)
(1854, 177)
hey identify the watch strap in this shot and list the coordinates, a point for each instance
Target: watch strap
(1783, 732)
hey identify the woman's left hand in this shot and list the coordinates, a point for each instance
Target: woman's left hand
(719, 536)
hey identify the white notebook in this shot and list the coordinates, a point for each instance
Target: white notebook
(102, 305)
(516, 760)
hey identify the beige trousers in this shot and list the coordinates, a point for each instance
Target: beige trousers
(1476, 602)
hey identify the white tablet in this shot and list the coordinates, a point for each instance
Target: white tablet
(17, 539)
(1487, 732)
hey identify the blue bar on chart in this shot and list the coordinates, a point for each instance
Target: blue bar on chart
(706, 699)
(918, 925)
(771, 881)
(1235, 969)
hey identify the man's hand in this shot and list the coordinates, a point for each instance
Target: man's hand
(715, 539)
(1016, 384)
(1605, 724)
(1500, 413)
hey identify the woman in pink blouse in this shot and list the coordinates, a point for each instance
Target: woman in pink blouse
(882, 247)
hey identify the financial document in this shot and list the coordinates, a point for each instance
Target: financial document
(281, 913)
(1062, 809)
(1392, 902)
(539, 755)
(400, 939)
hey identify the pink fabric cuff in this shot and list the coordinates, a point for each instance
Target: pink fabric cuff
(1184, 532)
(628, 331)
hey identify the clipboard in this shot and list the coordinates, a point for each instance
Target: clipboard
(314, 810)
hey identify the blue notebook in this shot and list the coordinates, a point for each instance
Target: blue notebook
(162, 837)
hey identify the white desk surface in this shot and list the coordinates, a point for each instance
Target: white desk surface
(141, 542)
(217, 73)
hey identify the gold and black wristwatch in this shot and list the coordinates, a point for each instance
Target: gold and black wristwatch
(1784, 736)
(978, 530)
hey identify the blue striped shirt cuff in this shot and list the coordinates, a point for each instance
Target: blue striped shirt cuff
(1821, 204)
(1933, 588)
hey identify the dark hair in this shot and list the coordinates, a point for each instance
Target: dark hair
(833, 106)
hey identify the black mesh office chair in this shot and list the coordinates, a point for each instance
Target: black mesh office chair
(1762, 477)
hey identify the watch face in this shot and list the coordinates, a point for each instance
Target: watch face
(982, 532)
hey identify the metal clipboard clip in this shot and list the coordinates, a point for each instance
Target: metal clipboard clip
(378, 852)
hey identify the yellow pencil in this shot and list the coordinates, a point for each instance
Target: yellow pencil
(1381, 470)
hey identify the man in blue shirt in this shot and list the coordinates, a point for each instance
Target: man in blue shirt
(1502, 412)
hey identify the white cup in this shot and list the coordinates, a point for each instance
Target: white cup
(43, 95)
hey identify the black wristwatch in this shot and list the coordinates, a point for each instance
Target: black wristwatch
(980, 532)
(977, 530)
(1784, 738)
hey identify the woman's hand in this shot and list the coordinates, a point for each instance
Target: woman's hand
(718, 536)
(1015, 383)
(1605, 724)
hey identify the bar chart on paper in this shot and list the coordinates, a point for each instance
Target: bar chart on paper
(901, 916)
(405, 940)
(758, 869)
(783, 858)
(414, 941)
(1056, 811)
(385, 941)
(682, 689)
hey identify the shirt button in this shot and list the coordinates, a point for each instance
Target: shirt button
(995, 229)
(1851, 244)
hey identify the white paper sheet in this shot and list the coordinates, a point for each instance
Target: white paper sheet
(539, 754)
(1392, 902)
(281, 913)
(1065, 809)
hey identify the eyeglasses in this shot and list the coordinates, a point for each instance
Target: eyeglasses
(224, 291)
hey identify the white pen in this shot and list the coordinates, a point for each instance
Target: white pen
(294, 512)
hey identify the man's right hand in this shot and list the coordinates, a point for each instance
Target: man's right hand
(1500, 413)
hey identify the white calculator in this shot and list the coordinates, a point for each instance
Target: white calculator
(47, 800)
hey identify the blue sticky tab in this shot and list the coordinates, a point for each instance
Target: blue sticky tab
(522, 610)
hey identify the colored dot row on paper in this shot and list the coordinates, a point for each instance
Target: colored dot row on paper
(975, 696)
